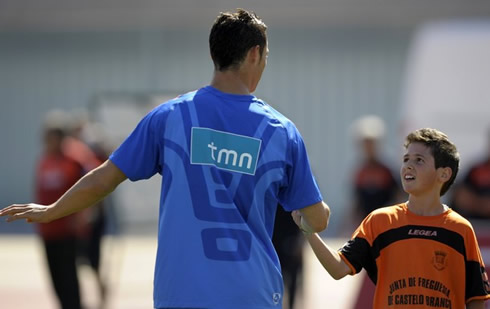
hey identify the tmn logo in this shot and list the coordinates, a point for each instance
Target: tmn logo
(224, 150)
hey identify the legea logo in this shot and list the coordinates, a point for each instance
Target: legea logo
(224, 150)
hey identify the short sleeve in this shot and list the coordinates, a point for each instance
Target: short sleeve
(358, 252)
(301, 189)
(138, 156)
(477, 285)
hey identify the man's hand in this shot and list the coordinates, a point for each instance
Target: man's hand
(29, 212)
(90, 189)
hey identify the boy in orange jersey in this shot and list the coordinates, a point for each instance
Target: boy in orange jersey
(421, 253)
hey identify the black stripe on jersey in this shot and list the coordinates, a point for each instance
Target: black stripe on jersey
(359, 254)
(447, 237)
(476, 281)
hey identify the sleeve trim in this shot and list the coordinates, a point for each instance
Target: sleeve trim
(353, 270)
(481, 297)
(304, 203)
(113, 158)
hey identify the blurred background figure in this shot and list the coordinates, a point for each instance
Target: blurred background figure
(471, 196)
(373, 182)
(76, 240)
(288, 242)
(86, 145)
(55, 173)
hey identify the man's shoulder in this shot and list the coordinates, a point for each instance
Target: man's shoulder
(164, 108)
(275, 114)
(181, 98)
(279, 120)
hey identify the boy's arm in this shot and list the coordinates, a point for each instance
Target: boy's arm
(329, 258)
(90, 189)
(476, 304)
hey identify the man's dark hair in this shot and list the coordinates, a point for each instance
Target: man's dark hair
(443, 150)
(232, 36)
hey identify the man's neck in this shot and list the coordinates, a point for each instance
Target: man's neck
(230, 82)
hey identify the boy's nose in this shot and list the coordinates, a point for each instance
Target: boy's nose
(408, 166)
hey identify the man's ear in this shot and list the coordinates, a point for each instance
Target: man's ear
(254, 54)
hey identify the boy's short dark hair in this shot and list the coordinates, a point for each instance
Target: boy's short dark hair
(443, 150)
(232, 36)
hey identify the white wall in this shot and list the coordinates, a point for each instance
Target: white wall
(447, 85)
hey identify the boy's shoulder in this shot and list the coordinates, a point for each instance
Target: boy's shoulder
(398, 210)
(385, 217)
(458, 220)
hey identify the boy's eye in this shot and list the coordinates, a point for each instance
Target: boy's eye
(420, 160)
(405, 159)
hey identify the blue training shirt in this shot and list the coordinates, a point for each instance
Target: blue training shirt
(226, 162)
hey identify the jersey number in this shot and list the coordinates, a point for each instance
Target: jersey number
(223, 244)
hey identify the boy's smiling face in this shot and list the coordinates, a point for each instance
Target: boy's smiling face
(418, 172)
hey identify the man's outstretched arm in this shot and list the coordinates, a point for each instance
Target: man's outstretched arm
(90, 189)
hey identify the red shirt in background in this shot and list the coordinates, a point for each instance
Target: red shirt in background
(80, 152)
(55, 174)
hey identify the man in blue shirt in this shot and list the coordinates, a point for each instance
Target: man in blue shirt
(226, 159)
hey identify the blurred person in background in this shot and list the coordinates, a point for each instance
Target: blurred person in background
(86, 146)
(227, 159)
(55, 174)
(288, 242)
(373, 181)
(471, 196)
(373, 184)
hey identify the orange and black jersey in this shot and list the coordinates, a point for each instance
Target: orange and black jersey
(418, 261)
